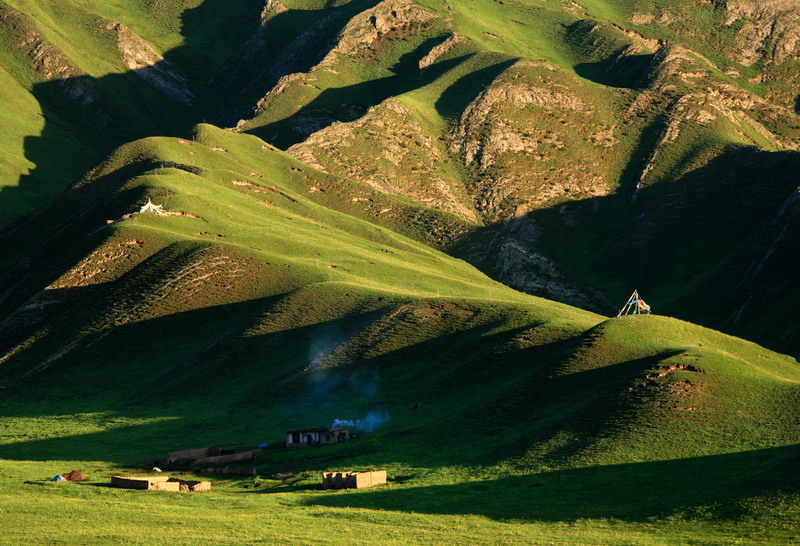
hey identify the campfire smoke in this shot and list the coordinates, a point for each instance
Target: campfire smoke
(369, 423)
(328, 384)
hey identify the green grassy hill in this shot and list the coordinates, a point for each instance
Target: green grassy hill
(419, 220)
(267, 299)
(564, 135)
(584, 140)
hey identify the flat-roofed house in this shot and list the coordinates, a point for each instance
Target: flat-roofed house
(308, 437)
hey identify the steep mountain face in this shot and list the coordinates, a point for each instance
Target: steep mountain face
(593, 137)
(372, 56)
(142, 59)
(768, 31)
(389, 149)
(528, 119)
(570, 150)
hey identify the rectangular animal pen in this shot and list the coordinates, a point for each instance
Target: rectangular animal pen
(205, 456)
(353, 480)
(159, 483)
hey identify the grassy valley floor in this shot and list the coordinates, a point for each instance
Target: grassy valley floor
(638, 503)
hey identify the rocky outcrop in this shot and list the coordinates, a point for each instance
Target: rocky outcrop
(739, 105)
(388, 149)
(676, 68)
(368, 27)
(771, 30)
(365, 36)
(142, 59)
(638, 39)
(502, 137)
(527, 120)
(271, 9)
(438, 51)
(49, 62)
(640, 18)
(520, 266)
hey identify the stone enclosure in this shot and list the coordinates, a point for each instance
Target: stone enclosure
(353, 480)
(160, 483)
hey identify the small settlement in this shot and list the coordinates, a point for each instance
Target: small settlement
(185, 458)
(309, 437)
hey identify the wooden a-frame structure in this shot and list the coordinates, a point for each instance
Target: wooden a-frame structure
(634, 306)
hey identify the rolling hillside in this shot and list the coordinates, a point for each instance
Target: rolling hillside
(578, 142)
(419, 218)
(267, 299)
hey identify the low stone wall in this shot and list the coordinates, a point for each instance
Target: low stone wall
(236, 470)
(194, 453)
(232, 458)
(159, 483)
(194, 486)
(353, 480)
(149, 483)
(204, 456)
(370, 479)
(155, 461)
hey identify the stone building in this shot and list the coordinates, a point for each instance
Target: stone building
(308, 437)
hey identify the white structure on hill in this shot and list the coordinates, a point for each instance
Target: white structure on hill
(150, 207)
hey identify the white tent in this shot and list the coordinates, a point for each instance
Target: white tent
(150, 207)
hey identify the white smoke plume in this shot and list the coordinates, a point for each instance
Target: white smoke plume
(370, 422)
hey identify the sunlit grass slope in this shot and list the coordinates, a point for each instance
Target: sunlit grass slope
(272, 296)
(268, 298)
